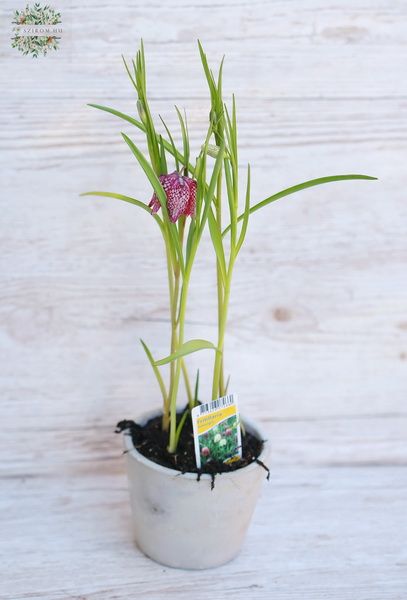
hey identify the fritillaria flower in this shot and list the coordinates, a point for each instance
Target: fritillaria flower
(181, 196)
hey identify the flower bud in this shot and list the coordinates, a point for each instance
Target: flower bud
(180, 191)
(211, 150)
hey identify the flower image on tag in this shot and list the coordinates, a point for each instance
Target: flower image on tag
(217, 435)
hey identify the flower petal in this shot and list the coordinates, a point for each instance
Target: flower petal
(154, 204)
(191, 206)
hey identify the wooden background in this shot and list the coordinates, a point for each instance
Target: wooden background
(317, 343)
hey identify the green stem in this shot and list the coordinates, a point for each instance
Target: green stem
(216, 384)
(218, 202)
(172, 286)
(174, 335)
(173, 397)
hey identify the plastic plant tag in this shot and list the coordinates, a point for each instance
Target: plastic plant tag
(216, 427)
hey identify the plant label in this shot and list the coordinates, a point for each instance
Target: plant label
(217, 435)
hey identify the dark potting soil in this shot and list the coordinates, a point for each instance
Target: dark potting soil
(151, 441)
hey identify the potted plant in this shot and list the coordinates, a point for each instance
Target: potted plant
(181, 517)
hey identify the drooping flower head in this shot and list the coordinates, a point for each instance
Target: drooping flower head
(180, 191)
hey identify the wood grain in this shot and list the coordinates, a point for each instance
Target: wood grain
(317, 344)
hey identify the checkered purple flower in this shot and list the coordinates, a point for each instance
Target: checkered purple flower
(181, 196)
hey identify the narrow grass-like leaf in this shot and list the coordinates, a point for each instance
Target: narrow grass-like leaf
(230, 136)
(155, 182)
(216, 236)
(196, 392)
(156, 371)
(128, 72)
(186, 381)
(200, 176)
(246, 213)
(128, 199)
(181, 424)
(299, 187)
(227, 385)
(220, 75)
(169, 145)
(185, 137)
(185, 349)
(151, 135)
(211, 188)
(163, 159)
(231, 200)
(176, 154)
(228, 177)
(191, 233)
(234, 124)
(208, 74)
(119, 197)
(119, 114)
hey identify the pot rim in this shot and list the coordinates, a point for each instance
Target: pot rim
(251, 425)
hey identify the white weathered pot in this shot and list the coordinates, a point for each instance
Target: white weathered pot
(180, 522)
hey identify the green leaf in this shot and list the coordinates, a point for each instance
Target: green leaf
(299, 187)
(231, 131)
(185, 136)
(216, 236)
(169, 146)
(148, 170)
(246, 213)
(128, 199)
(187, 348)
(191, 233)
(208, 74)
(231, 198)
(220, 74)
(228, 176)
(155, 182)
(177, 155)
(196, 392)
(181, 425)
(163, 159)
(156, 371)
(227, 385)
(119, 114)
(128, 72)
(211, 189)
(230, 134)
(119, 197)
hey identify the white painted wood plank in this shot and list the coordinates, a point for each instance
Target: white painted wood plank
(318, 533)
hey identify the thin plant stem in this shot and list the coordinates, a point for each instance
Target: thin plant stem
(173, 397)
(174, 333)
(219, 275)
(221, 332)
(171, 290)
